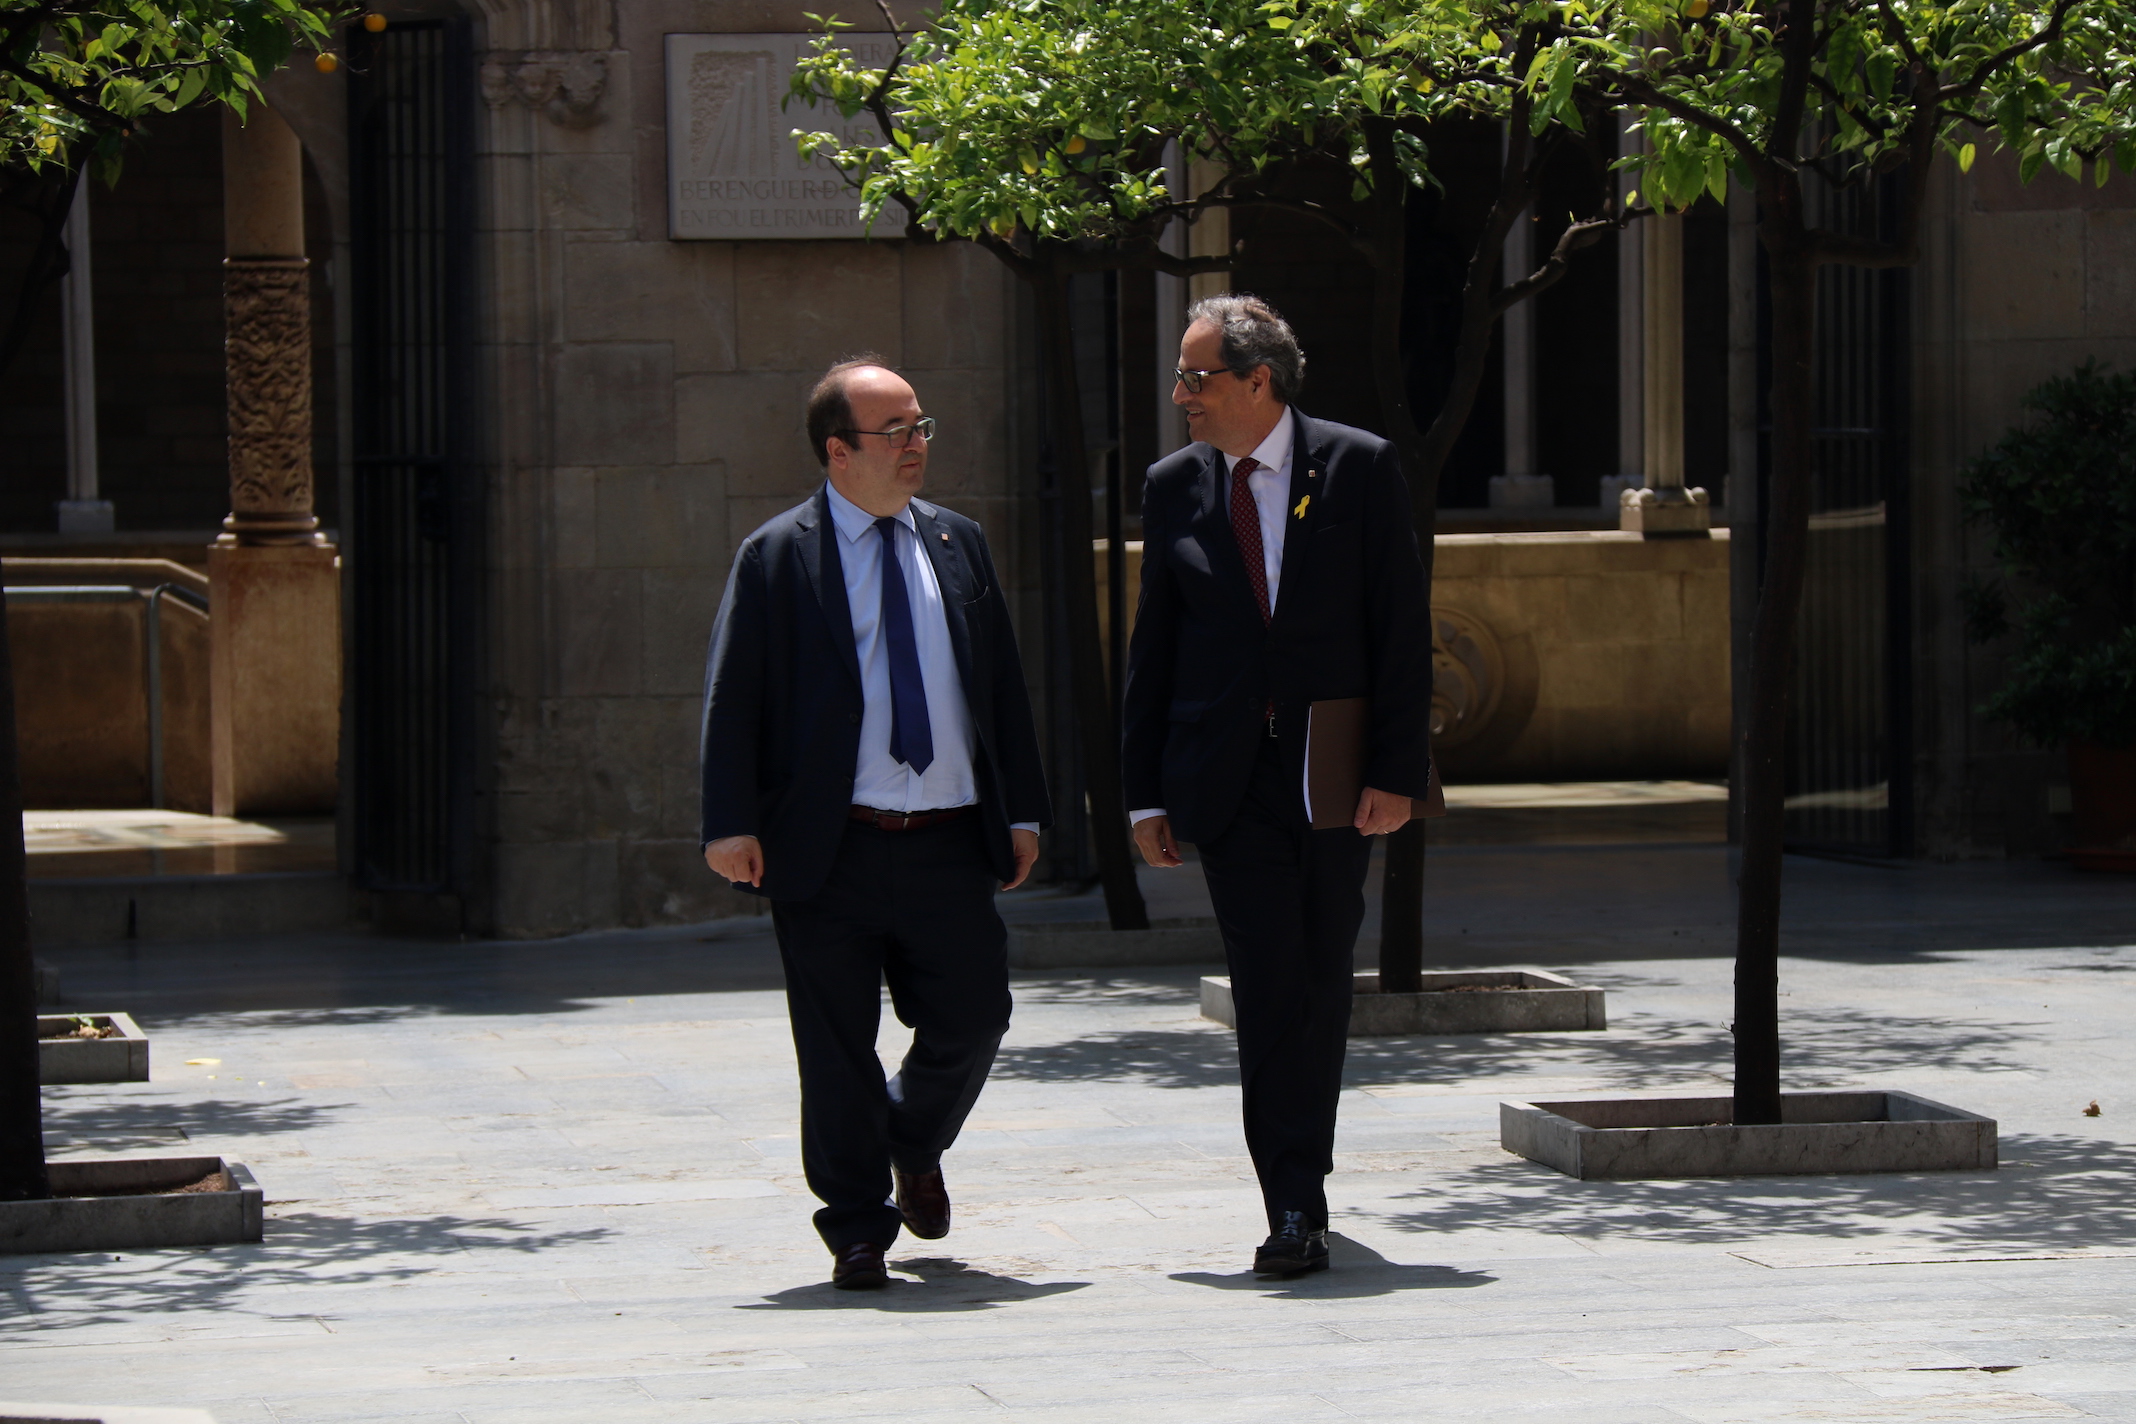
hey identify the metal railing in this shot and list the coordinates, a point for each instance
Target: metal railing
(35, 595)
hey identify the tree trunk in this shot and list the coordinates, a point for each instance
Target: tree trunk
(1424, 456)
(51, 196)
(22, 1160)
(1093, 712)
(1793, 277)
(1401, 955)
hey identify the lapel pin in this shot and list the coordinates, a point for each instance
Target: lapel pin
(1300, 510)
(945, 538)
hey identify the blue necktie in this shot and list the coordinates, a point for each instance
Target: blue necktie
(911, 738)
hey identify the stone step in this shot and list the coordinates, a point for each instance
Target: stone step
(114, 909)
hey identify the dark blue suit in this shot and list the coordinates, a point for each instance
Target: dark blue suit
(781, 730)
(854, 905)
(1351, 620)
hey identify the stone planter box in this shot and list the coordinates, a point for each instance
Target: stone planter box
(123, 1059)
(14, 1411)
(1494, 1001)
(1079, 944)
(1692, 1137)
(141, 1212)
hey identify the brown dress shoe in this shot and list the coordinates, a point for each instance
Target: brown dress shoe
(860, 1267)
(924, 1200)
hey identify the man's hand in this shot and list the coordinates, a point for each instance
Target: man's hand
(1379, 813)
(737, 858)
(1024, 845)
(1153, 837)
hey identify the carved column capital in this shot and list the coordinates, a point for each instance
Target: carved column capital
(267, 360)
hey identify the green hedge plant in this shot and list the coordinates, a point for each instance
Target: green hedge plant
(2058, 494)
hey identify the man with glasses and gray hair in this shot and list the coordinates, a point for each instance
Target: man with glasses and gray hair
(1282, 592)
(870, 766)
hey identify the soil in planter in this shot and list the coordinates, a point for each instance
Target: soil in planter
(76, 1028)
(216, 1181)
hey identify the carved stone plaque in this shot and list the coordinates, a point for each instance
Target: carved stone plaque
(733, 170)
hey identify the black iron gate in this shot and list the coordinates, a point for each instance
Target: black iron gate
(414, 518)
(1850, 712)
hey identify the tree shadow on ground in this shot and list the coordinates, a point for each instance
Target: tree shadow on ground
(111, 1122)
(49, 1293)
(1354, 1271)
(262, 981)
(2052, 1194)
(1646, 1052)
(944, 1284)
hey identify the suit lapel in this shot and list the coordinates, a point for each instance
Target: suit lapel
(1308, 497)
(953, 581)
(1212, 529)
(818, 546)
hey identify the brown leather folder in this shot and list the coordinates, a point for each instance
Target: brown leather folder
(1338, 733)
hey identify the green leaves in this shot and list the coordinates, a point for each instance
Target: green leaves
(983, 114)
(2059, 496)
(83, 73)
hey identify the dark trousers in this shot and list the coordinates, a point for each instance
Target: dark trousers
(915, 908)
(1289, 901)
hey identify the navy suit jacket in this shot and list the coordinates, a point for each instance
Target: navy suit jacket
(781, 730)
(1352, 619)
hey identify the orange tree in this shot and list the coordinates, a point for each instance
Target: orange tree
(77, 78)
(1039, 129)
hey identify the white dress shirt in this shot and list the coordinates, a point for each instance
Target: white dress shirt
(1270, 487)
(879, 779)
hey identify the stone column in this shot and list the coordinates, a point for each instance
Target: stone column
(1210, 235)
(1631, 339)
(81, 512)
(274, 584)
(1521, 486)
(1663, 505)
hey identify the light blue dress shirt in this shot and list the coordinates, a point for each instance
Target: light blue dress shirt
(879, 779)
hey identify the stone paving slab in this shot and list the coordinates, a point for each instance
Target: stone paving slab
(561, 1182)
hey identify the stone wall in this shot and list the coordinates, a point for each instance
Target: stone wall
(645, 416)
(1613, 651)
(2017, 283)
(1570, 656)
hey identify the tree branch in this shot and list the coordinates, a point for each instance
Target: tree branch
(1579, 235)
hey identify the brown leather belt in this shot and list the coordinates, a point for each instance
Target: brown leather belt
(904, 820)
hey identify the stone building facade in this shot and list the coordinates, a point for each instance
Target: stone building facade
(632, 409)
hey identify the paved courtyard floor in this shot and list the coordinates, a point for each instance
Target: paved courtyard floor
(560, 1181)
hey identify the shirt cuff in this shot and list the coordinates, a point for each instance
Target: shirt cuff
(1136, 818)
(1031, 826)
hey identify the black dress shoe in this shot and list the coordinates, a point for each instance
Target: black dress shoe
(924, 1200)
(1292, 1248)
(860, 1267)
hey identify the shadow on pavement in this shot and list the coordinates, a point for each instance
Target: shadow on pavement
(118, 1124)
(1354, 1271)
(40, 1294)
(2051, 1194)
(1648, 1052)
(943, 1285)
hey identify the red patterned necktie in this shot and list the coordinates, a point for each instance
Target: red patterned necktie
(1246, 529)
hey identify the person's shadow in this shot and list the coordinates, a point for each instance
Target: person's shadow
(1354, 1270)
(943, 1284)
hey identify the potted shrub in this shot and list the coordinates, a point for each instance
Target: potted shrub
(2059, 495)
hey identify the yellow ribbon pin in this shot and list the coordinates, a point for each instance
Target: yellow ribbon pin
(1300, 510)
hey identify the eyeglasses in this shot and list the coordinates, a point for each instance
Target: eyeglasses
(1192, 380)
(899, 436)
